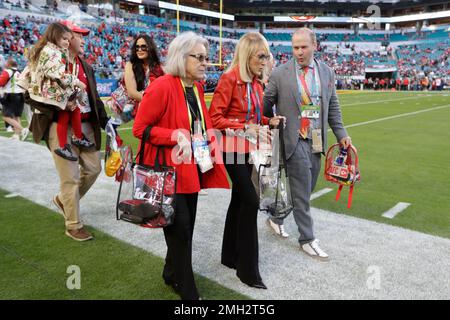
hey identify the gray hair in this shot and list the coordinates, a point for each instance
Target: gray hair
(179, 49)
(308, 31)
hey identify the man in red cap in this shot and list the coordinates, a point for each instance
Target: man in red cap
(72, 26)
(76, 177)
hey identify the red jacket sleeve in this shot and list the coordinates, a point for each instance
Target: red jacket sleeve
(4, 78)
(151, 110)
(221, 102)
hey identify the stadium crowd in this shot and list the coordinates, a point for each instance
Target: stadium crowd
(107, 50)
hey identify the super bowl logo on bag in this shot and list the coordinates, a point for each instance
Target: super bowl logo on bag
(339, 172)
(139, 194)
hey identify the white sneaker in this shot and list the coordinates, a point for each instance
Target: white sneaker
(278, 229)
(9, 129)
(15, 137)
(24, 133)
(313, 250)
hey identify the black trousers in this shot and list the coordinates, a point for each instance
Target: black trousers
(178, 267)
(240, 237)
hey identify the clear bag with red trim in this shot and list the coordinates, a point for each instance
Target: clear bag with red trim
(342, 168)
(146, 193)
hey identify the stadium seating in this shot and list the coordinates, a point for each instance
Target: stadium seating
(107, 46)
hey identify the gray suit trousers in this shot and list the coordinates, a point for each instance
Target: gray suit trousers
(303, 168)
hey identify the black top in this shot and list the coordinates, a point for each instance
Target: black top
(193, 106)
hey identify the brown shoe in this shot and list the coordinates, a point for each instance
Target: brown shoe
(79, 235)
(59, 205)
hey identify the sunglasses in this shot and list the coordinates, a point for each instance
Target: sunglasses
(200, 57)
(263, 57)
(144, 47)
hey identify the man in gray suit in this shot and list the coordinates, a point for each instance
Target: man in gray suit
(304, 92)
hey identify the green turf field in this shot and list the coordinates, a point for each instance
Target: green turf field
(403, 159)
(36, 259)
(404, 152)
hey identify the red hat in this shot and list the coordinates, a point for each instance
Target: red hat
(72, 26)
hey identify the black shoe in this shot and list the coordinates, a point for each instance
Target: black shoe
(257, 284)
(66, 153)
(83, 142)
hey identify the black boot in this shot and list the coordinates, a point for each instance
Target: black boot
(66, 153)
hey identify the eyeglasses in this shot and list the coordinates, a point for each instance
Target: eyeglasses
(144, 47)
(263, 57)
(200, 57)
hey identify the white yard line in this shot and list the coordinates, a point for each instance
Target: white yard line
(122, 129)
(320, 193)
(380, 101)
(12, 195)
(399, 207)
(396, 116)
(371, 121)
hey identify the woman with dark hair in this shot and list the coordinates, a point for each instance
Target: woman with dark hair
(144, 66)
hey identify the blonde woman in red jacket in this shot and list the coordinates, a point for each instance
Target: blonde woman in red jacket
(237, 110)
(174, 105)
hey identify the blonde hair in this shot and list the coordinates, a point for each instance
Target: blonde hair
(179, 49)
(247, 46)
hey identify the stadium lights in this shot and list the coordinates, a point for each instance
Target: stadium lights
(405, 18)
(200, 12)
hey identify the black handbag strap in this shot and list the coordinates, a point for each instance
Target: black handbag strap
(141, 152)
(282, 145)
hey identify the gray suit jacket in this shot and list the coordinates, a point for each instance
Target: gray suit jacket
(282, 91)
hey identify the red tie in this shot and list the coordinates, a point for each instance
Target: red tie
(304, 122)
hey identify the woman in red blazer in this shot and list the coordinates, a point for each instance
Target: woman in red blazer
(174, 105)
(237, 110)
